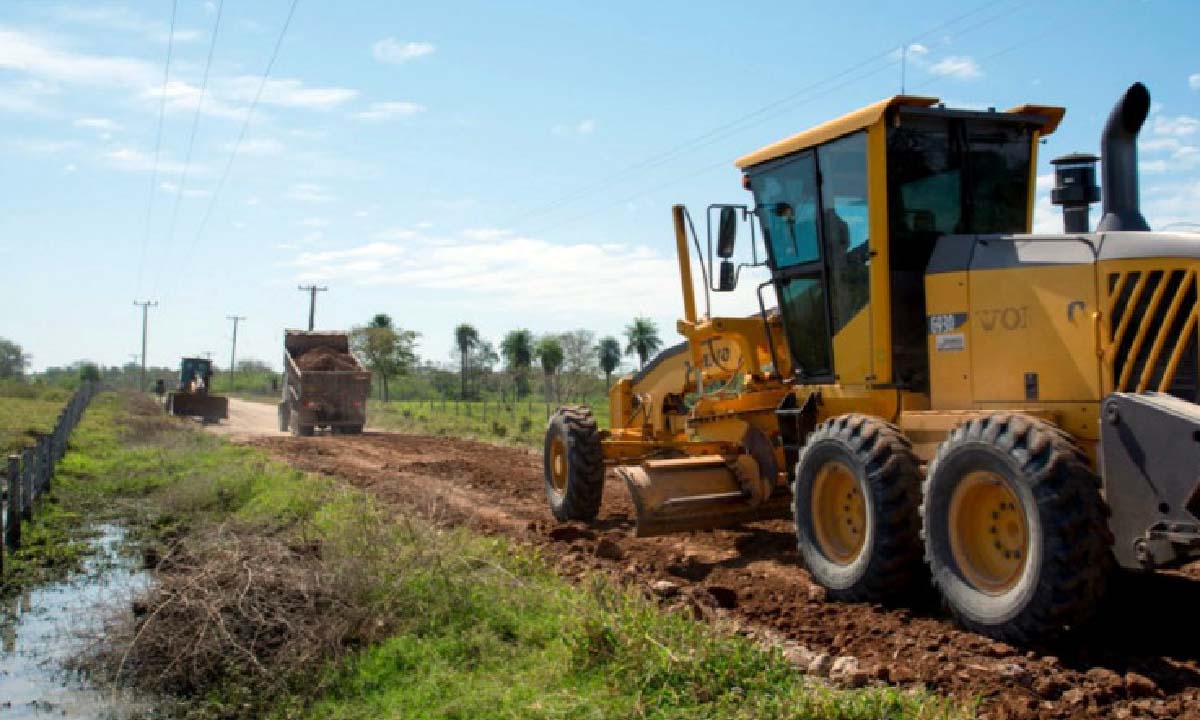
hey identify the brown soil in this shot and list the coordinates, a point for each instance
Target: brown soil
(1141, 658)
(325, 359)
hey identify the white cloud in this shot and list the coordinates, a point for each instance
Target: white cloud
(389, 50)
(252, 201)
(285, 92)
(123, 20)
(258, 146)
(957, 66)
(1171, 203)
(914, 52)
(45, 147)
(309, 192)
(172, 188)
(97, 123)
(510, 271)
(388, 110)
(1180, 126)
(1194, 81)
(33, 55)
(131, 159)
(314, 222)
(69, 168)
(583, 127)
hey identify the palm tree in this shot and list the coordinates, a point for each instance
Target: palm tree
(517, 349)
(549, 351)
(609, 351)
(642, 335)
(466, 337)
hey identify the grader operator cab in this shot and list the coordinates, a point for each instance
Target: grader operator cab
(940, 394)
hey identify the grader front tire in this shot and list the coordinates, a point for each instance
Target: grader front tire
(1015, 532)
(856, 501)
(573, 464)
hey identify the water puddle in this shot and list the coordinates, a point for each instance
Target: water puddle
(42, 628)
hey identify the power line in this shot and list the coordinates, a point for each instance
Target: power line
(732, 126)
(162, 111)
(724, 163)
(245, 126)
(187, 161)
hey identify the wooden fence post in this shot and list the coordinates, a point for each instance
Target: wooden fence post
(28, 469)
(44, 465)
(12, 523)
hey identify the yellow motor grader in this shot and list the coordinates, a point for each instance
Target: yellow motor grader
(939, 394)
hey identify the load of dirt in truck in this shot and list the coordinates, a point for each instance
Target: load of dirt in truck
(324, 358)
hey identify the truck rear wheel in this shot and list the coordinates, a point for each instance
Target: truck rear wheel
(303, 430)
(1015, 532)
(856, 500)
(573, 464)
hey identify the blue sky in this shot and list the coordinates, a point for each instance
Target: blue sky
(506, 164)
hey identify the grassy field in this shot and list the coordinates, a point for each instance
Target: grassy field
(26, 410)
(435, 623)
(519, 423)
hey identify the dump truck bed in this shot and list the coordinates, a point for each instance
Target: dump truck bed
(324, 385)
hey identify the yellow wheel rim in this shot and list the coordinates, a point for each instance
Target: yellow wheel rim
(989, 534)
(558, 464)
(839, 513)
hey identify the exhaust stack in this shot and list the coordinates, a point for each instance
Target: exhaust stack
(1118, 162)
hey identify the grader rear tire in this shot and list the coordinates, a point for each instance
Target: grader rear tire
(1015, 531)
(856, 500)
(573, 464)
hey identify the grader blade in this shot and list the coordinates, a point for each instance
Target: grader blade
(696, 493)
(210, 408)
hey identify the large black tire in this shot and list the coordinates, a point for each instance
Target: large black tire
(283, 417)
(304, 430)
(886, 566)
(1059, 584)
(573, 464)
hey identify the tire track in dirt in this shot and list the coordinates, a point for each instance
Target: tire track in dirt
(1140, 660)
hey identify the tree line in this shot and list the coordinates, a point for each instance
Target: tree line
(571, 364)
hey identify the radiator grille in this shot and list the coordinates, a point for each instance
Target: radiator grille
(1152, 329)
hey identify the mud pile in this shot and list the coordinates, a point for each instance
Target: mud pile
(324, 358)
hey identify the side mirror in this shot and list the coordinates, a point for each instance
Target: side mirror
(727, 234)
(728, 279)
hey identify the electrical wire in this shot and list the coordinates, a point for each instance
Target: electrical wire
(734, 126)
(212, 201)
(162, 111)
(187, 161)
(725, 163)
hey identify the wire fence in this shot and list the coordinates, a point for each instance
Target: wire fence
(29, 473)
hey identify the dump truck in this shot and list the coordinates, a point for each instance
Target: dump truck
(942, 396)
(191, 397)
(324, 385)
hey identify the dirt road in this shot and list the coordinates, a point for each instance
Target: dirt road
(249, 420)
(1142, 659)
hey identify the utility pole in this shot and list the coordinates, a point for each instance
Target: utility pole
(233, 350)
(145, 305)
(312, 291)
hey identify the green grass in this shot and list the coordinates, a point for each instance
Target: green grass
(474, 627)
(27, 410)
(518, 423)
(55, 542)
